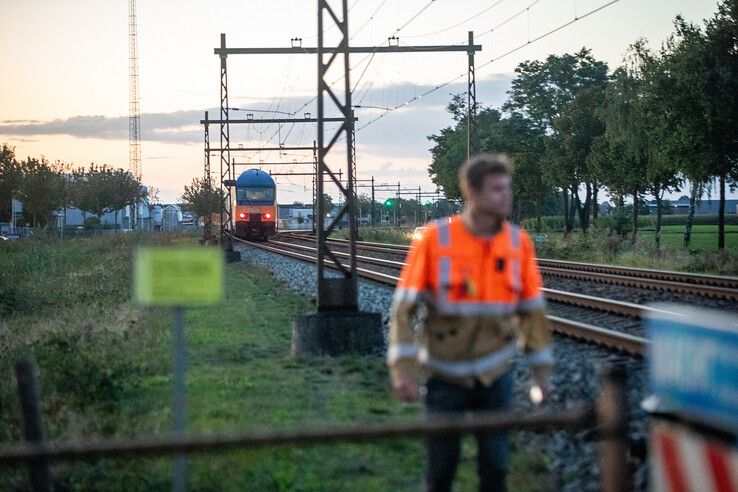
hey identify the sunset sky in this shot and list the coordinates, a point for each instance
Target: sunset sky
(64, 74)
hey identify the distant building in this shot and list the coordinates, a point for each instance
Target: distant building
(171, 216)
(704, 207)
(295, 216)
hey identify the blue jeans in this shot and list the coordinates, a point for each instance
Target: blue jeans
(443, 397)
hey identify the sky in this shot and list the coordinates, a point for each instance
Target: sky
(64, 76)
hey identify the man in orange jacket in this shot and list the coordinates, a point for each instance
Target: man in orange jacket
(476, 280)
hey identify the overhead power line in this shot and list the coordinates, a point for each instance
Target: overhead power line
(370, 56)
(512, 17)
(413, 18)
(507, 53)
(457, 24)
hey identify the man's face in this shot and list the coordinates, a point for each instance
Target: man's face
(495, 196)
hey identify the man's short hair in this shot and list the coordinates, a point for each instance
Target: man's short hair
(473, 172)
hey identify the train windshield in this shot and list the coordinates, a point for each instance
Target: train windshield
(255, 194)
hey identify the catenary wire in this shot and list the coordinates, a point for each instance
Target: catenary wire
(507, 53)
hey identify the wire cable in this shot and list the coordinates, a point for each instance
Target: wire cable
(511, 18)
(507, 53)
(361, 61)
(457, 24)
(371, 18)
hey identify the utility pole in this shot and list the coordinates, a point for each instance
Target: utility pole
(471, 102)
(372, 201)
(397, 204)
(338, 326)
(226, 174)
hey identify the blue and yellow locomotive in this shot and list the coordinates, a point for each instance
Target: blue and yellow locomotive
(255, 207)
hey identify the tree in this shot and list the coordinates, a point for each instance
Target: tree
(515, 136)
(102, 189)
(203, 199)
(41, 189)
(703, 102)
(327, 204)
(129, 191)
(9, 179)
(559, 97)
(575, 130)
(632, 156)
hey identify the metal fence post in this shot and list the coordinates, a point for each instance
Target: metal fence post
(612, 416)
(29, 391)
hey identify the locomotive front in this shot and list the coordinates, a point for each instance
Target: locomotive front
(255, 210)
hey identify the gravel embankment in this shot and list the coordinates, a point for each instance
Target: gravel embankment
(572, 455)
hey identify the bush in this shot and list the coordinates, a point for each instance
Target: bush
(548, 224)
(616, 221)
(681, 220)
(81, 368)
(92, 223)
(620, 221)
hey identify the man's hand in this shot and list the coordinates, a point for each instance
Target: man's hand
(405, 388)
(540, 392)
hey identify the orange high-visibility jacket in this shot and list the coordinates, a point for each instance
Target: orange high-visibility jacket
(484, 303)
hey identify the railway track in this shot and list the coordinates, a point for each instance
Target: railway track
(615, 340)
(710, 286)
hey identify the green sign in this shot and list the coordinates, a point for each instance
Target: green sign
(178, 276)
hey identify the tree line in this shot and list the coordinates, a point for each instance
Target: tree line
(665, 119)
(45, 187)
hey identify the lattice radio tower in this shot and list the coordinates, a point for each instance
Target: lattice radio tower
(134, 117)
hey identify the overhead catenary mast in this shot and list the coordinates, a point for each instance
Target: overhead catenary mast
(134, 116)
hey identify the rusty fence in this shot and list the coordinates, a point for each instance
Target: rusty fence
(607, 417)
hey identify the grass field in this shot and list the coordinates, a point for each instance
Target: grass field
(704, 237)
(105, 371)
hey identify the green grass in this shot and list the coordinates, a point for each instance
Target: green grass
(704, 237)
(389, 235)
(105, 369)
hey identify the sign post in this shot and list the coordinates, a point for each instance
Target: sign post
(180, 278)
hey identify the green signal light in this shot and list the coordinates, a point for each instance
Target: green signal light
(388, 202)
(428, 203)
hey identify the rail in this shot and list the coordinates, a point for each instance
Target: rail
(622, 342)
(714, 286)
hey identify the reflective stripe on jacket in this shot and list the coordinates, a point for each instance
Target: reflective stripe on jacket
(483, 298)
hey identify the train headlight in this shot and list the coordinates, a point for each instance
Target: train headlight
(267, 216)
(242, 215)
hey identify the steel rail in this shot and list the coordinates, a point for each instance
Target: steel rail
(686, 277)
(647, 283)
(714, 286)
(629, 344)
(623, 308)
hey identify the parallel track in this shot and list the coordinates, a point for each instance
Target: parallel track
(617, 341)
(712, 286)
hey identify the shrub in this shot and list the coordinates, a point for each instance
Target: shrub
(92, 223)
(81, 368)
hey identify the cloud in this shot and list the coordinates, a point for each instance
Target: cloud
(19, 121)
(160, 127)
(390, 169)
(402, 132)
(23, 139)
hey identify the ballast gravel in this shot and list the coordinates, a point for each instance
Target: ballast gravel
(571, 456)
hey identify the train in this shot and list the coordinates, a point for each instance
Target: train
(255, 205)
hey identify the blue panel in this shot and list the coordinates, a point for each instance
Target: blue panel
(693, 365)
